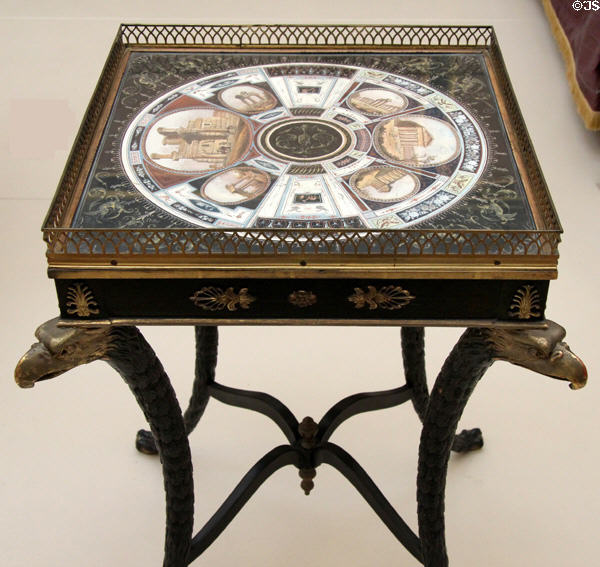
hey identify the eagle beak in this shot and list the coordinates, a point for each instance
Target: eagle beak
(59, 349)
(579, 377)
(566, 365)
(38, 364)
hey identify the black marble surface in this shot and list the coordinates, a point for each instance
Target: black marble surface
(498, 200)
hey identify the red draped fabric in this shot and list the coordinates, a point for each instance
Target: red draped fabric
(576, 27)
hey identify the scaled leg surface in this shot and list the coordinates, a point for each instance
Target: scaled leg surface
(413, 357)
(462, 370)
(540, 350)
(62, 348)
(126, 350)
(207, 343)
(135, 360)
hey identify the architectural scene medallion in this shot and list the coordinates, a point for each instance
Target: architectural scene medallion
(304, 146)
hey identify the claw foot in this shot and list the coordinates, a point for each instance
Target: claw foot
(468, 440)
(144, 443)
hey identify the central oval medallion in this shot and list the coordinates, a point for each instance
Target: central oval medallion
(305, 140)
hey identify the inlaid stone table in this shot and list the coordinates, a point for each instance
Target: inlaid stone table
(292, 175)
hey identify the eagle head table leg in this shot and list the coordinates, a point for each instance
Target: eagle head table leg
(61, 348)
(541, 350)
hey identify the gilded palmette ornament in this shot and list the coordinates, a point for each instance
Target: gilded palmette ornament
(526, 303)
(387, 297)
(217, 299)
(80, 301)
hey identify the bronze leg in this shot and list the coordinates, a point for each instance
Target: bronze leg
(62, 348)
(413, 357)
(463, 368)
(541, 350)
(135, 360)
(207, 342)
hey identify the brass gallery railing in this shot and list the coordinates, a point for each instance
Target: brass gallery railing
(331, 242)
(63, 240)
(316, 35)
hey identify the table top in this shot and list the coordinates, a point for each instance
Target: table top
(305, 152)
(304, 141)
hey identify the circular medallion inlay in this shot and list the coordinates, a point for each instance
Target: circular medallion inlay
(308, 145)
(305, 140)
(196, 139)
